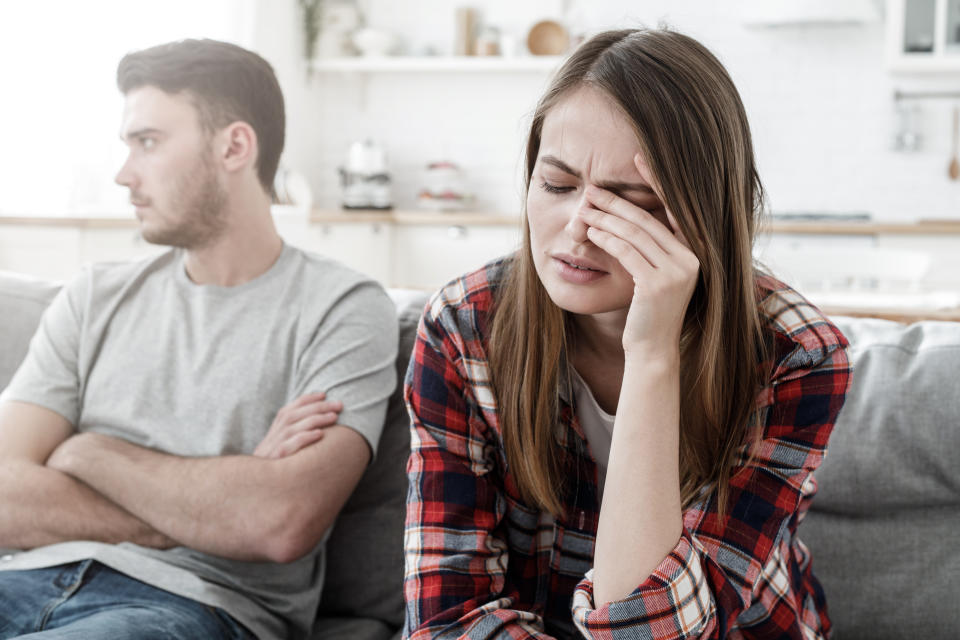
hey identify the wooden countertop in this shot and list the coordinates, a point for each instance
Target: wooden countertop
(82, 222)
(897, 315)
(479, 218)
(317, 216)
(414, 217)
(921, 227)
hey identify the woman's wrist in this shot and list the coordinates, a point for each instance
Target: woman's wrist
(645, 356)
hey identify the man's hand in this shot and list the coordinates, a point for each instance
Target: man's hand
(68, 455)
(298, 425)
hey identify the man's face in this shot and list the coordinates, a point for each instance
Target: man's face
(171, 170)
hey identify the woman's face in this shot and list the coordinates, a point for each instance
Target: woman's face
(586, 140)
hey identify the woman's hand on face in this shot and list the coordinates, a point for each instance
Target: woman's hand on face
(663, 268)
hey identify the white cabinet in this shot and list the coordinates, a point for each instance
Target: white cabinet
(428, 256)
(944, 252)
(45, 251)
(113, 245)
(923, 35)
(58, 249)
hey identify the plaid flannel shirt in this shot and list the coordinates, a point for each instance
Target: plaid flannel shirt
(480, 563)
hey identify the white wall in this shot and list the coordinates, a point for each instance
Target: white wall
(819, 99)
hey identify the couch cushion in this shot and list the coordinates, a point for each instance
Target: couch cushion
(365, 550)
(882, 527)
(22, 301)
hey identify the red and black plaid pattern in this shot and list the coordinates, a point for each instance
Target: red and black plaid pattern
(482, 564)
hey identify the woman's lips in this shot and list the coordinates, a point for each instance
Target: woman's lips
(576, 271)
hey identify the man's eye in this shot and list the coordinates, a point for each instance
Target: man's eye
(551, 188)
(148, 143)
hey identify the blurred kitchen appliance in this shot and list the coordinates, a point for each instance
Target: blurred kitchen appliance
(365, 179)
(444, 188)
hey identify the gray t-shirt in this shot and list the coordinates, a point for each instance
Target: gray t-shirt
(138, 351)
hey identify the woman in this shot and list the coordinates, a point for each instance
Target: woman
(614, 429)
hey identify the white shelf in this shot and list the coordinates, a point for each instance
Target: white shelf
(401, 64)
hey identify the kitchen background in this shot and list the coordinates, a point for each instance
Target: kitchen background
(819, 80)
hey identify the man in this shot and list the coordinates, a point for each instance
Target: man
(180, 437)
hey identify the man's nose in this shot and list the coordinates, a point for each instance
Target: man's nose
(124, 177)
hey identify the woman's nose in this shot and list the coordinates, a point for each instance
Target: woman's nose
(576, 228)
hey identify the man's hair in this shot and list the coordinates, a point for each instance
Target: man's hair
(226, 83)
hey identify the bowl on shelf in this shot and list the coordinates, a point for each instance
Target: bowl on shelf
(374, 42)
(548, 38)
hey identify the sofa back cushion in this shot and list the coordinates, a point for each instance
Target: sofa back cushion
(22, 302)
(365, 550)
(883, 527)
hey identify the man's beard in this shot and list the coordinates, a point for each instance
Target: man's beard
(198, 205)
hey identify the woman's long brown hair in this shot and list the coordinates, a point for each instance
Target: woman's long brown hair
(694, 136)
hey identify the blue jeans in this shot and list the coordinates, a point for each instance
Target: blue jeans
(86, 600)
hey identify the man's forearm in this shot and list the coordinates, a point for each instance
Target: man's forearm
(242, 507)
(41, 506)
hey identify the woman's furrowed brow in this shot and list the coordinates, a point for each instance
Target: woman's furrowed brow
(611, 185)
(560, 164)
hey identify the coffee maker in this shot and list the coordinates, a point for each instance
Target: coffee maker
(365, 180)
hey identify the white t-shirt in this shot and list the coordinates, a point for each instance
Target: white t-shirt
(597, 426)
(138, 351)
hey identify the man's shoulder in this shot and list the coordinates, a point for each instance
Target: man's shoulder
(104, 279)
(325, 284)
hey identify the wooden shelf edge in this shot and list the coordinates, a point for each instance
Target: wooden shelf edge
(405, 64)
(414, 217)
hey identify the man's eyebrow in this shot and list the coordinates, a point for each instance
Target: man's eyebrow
(609, 185)
(130, 135)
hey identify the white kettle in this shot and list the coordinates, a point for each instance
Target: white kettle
(366, 179)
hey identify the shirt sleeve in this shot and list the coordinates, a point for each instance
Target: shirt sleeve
(454, 584)
(724, 566)
(351, 357)
(49, 375)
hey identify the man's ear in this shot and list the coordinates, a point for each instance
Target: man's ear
(238, 146)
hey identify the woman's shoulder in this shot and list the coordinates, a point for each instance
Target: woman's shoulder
(802, 335)
(467, 298)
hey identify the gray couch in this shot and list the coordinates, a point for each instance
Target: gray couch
(882, 531)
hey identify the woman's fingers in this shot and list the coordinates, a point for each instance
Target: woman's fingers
(636, 264)
(636, 238)
(611, 203)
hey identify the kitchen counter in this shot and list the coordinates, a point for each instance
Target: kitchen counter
(423, 217)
